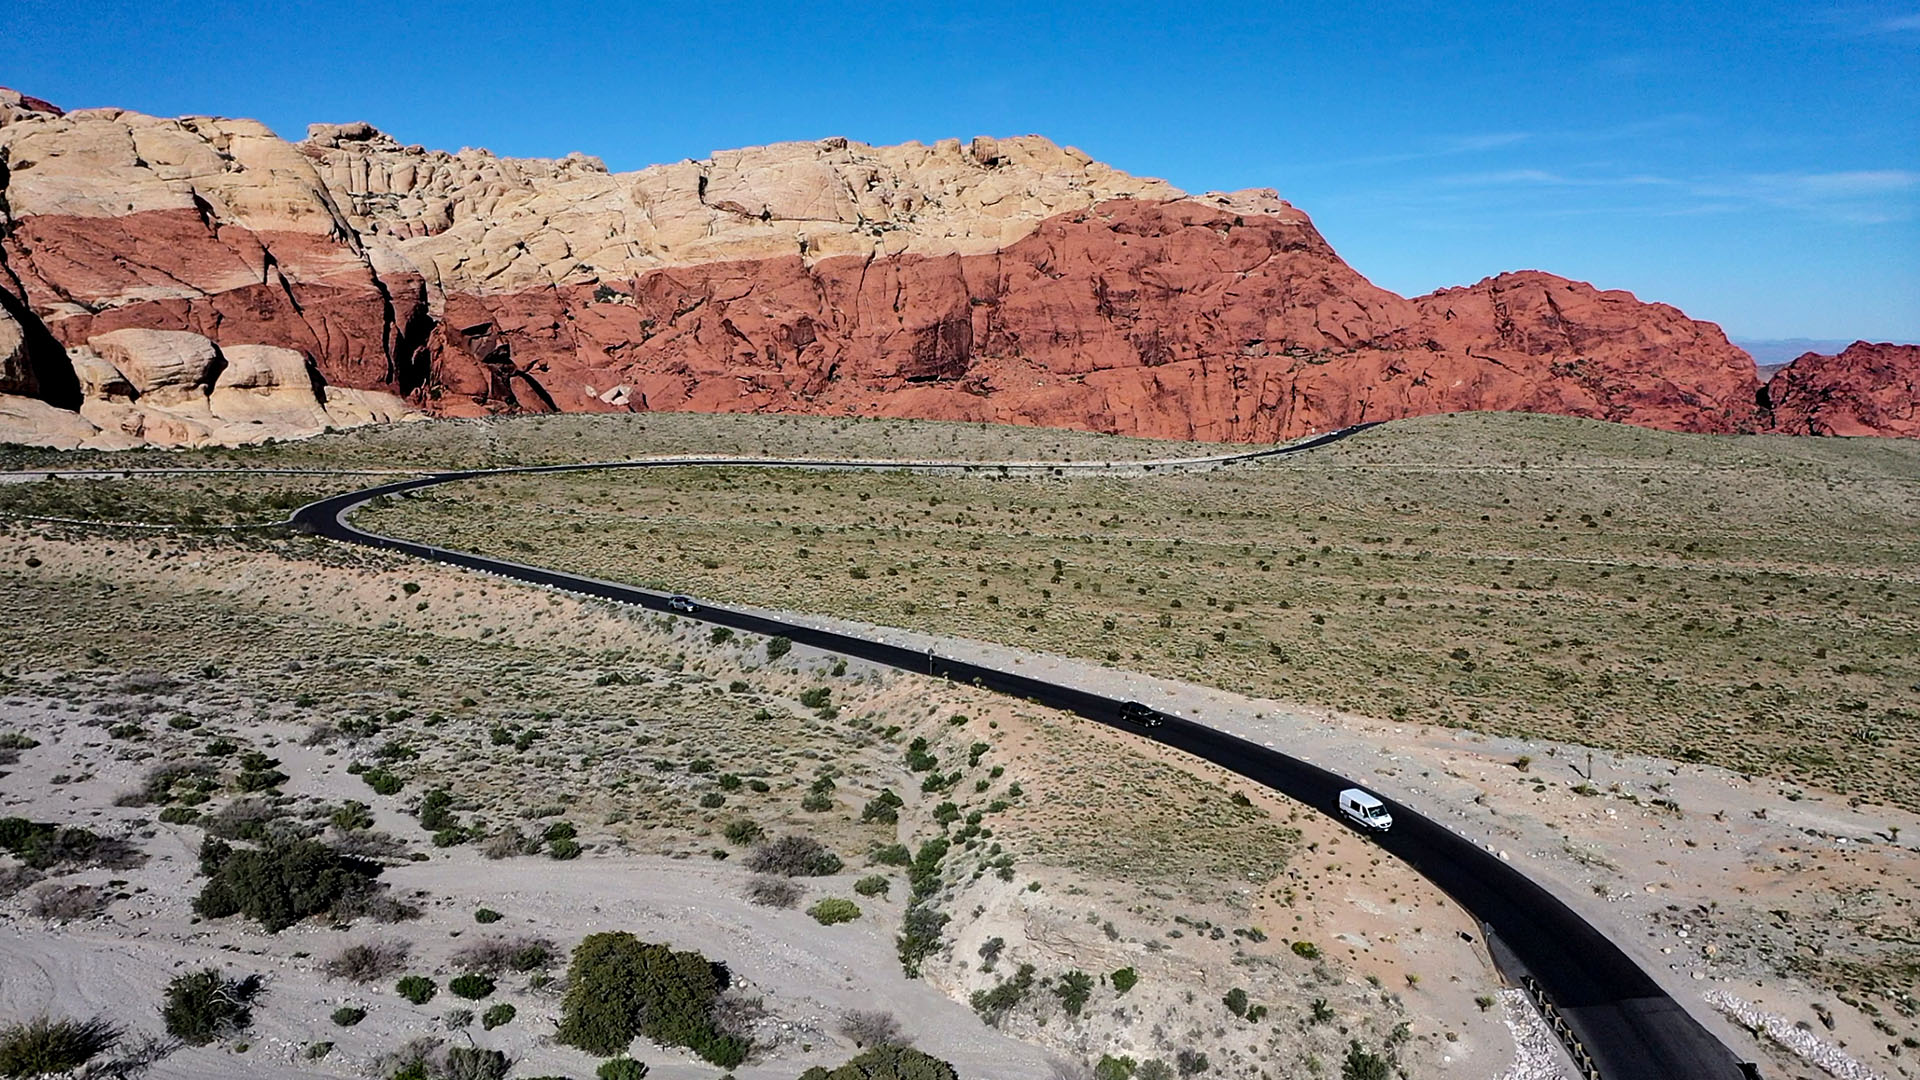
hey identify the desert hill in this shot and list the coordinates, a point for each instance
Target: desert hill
(200, 280)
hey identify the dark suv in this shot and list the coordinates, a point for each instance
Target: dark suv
(1134, 712)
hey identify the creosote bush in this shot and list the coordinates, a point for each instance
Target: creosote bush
(205, 1005)
(280, 884)
(471, 986)
(416, 988)
(793, 856)
(887, 1063)
(619, 987)
(769, 891)
(368, 961)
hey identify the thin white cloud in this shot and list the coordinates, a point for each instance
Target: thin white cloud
(1899, 24)
(1861, 197)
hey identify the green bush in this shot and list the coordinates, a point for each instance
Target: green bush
(743, 831)
(794, 856)
(619, 987)
(993, 1005)
(502, 1013)
(892, 855)
(471, 986)
(473, 1063)
(1236, 1001)
(206, 1005)
(383, 782)
(349, 1015)
(1361, 1065)
(834, 910)
(883, 808)
(1073, 989)
(436, 810)
(43, 845)
(778, 647)
(416, 988)
(486, 915)
(919, 936)
(873, 885)
(621, 1069)
(1114, 1068)
(1124, 980)
(42, 1047)
(887, 1063)
(279, 884)
(1306, 949)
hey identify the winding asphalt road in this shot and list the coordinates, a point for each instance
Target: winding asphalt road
(1631, 1027)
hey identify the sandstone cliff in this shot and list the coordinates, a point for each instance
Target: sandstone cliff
(1009, 280)
(1866, 389)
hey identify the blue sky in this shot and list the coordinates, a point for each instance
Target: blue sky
(1755, 163)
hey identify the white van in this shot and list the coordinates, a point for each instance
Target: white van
(1365, 809)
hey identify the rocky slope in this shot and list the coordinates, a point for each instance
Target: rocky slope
(1009, 280)
(1866, 389)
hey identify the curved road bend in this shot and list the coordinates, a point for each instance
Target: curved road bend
(1633, 1029)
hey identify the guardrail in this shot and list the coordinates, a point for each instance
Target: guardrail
(1582, 1059)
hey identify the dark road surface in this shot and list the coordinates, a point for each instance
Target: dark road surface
(1632, 1028)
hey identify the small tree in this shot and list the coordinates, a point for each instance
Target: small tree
(887, 1063)
(872, 1028)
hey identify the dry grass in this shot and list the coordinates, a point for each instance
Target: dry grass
(1746, 602)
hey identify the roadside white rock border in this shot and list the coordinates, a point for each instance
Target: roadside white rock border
(1536, 1051)
(1810, 1047)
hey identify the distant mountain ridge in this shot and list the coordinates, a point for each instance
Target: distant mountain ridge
(196, 280)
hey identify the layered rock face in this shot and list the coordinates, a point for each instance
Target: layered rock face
(1007, 280)
(1866, 389)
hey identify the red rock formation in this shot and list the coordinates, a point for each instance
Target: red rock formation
(1867, 389)
(1002, 281)
(1171, 319)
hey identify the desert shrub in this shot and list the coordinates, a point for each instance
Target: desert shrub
(769, 891)
(411, 1061)
(471, 986)
(205, 1005)
(68, 902)
(436, 810)
(1191, 1062)
(472, 1063)
(778, 647)
(1110, 1067)
(1306, 949)
(883, 808)
(891, 855)
(1153, 1069)
(817, 697)
(834, 910)
(492, 956)
(1124, 980)
(619, 986)
(382, 781)
(255, 819)
(179, 815)
(486, 915)
(14, 740)
(919, 936)
(742, 831)
(1236, 1001)
(560, 840)
(368, 961)
(994, 1005)
(502, 1013)
(380, 906)
(157, 786)
(42, 845)
(887, 1063)
(509, 842)
(793, 856)
(42, 1047)
(371, 846)
(873, 885)
(621, 1069)
(349, 1015)
(1073, 989)
(1362, 1065)
(872, 1027)
(15, 878)
(280, 884)
(416, 988)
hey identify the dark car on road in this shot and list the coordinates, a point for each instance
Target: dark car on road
(1134, 712)
(682, 603)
